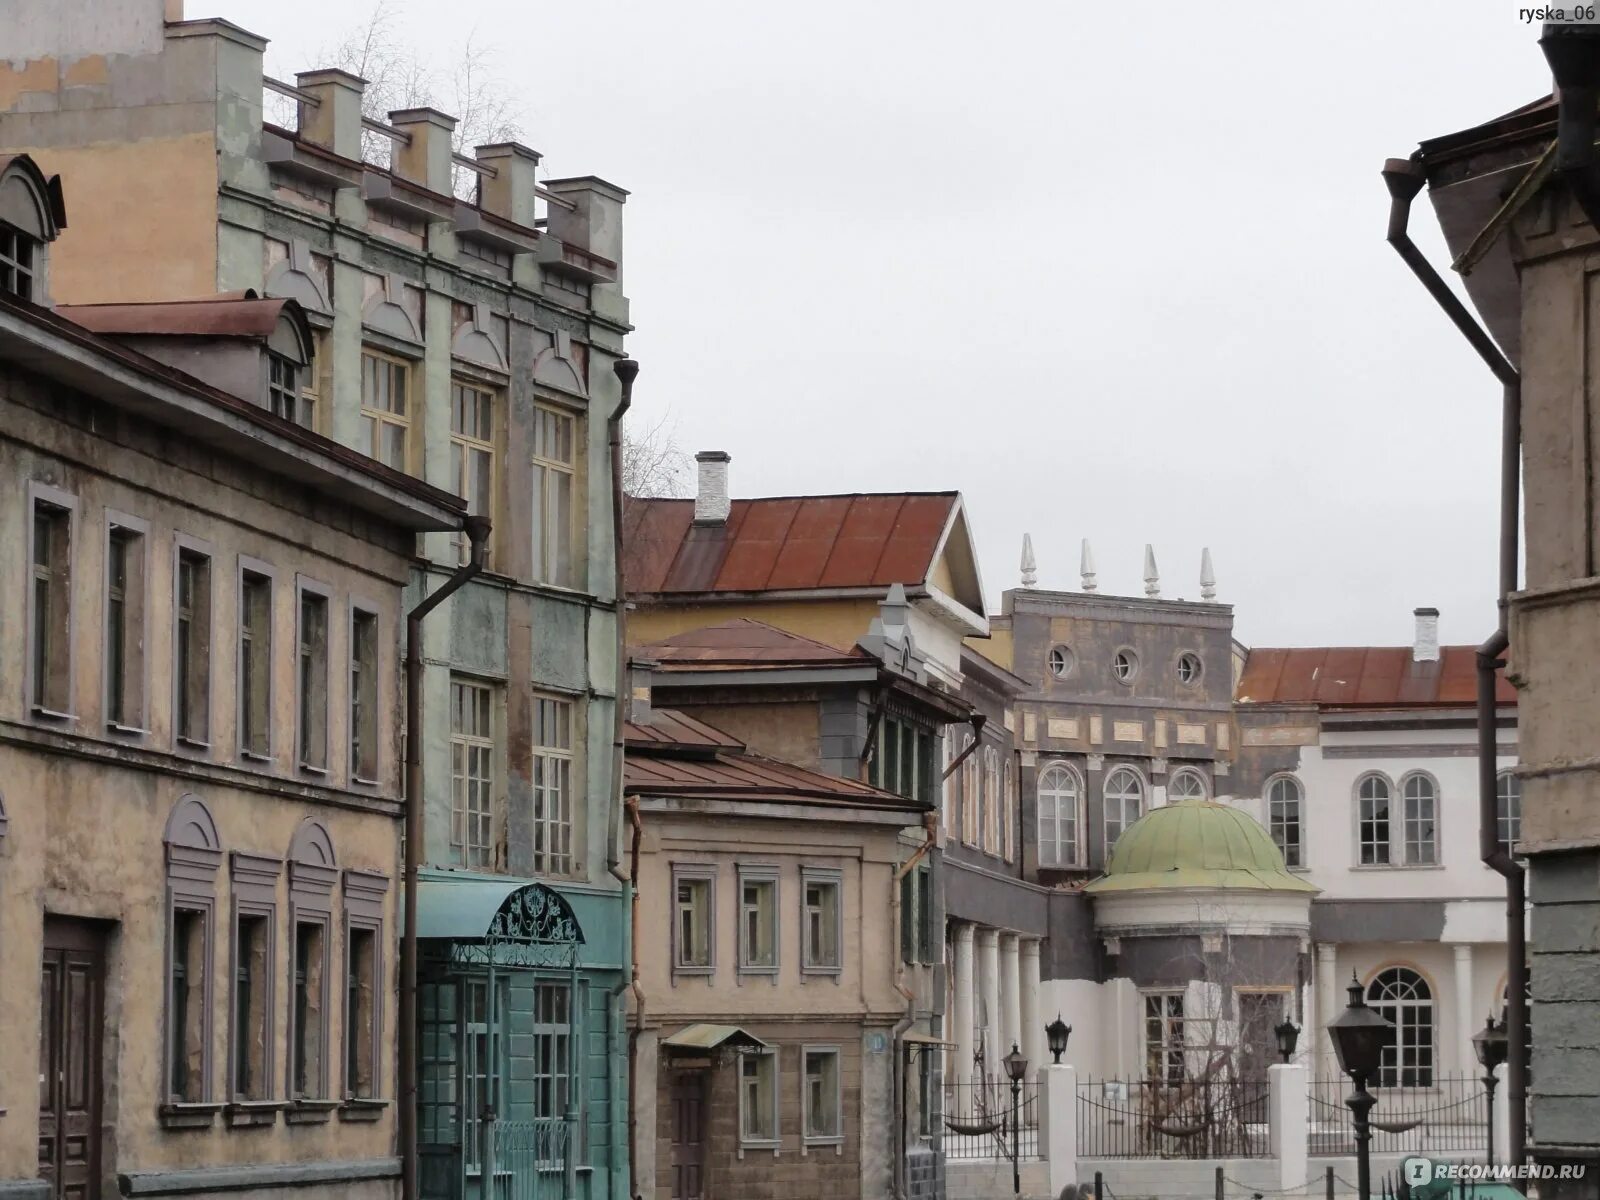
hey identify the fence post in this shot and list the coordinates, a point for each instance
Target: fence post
(1328, 1177)
(1099, 1188)
(1289, 1121)
(1219, 1185)
(1058, 1124)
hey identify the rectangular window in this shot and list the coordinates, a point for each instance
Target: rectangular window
(255, 664)
(693, 924)
(361, 1011)
(758, 920)
(191, 648)
(903, 761)
(820, 923)
(472, 773)
(125, 608)
(186, 1014)
(552, 785)
(386, 408)
(555, 444)
(552, 1049)
(251, 1030)
(970, 787)
(472, 451)
(284, 388)
(17, 251)
(821, 1116)
(927, 1096)
(50, 602)
(312, 680)
(364, 695)
(1373, 810)
(916, 916)
(307, 1076)
(1164, 1037)
(758, 1098)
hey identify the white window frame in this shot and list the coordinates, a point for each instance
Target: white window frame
(1142, 799)
(1187, 773)
(770, 1056)
(1054, 797)
(489, 744)
(1392, 1072)
(381, 417)
(1508, 796)
(255, 566)
(303, 587)
(136, 530)
(43, 493)
(1125, 665)
(833, 878)
(1168, 1044)
(1427, 854)
(556, 833)
(184, 545)
(1277, 823)
(767, 877)
(1189, 660)
(463, 446)
(362, 608)
(706, 874)
(807, 1138)
(545, 566)
(1060, 661)
(1385, 845)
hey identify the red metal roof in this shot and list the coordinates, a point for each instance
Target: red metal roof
(655, 765)
(242, 315)
(744, 643)
(1365, 677)
(668, 727)
(784, 543)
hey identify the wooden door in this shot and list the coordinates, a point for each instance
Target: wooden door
(72, 1003)
(688, 1135)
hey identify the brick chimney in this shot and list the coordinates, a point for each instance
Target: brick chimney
(1426, 646)
(711, 502)
(426, 159)
(334, 122)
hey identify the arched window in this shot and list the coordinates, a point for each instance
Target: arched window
(1058, 794)
(1508, 809)
(313, 871)
(1124, 803)
(1404, 998)
(1421, 796)
(1187, 784)
(1372, 820)
(1284, 816)
(194, 852)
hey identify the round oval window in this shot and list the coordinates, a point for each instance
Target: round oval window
(1060, 661)
(1125, 665)
(1188, 668)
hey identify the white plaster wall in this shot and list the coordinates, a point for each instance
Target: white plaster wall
(68, 29)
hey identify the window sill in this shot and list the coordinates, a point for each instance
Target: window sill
(362, 1108)
(50, 714)
(832, 973)
(363, 781)
(310, 769)
(242, 1114)
(310, 1112)
(1398, 867)
(694, 972)
(770, 973)
(189, 743)
(252, 756)
(760, 1147)
(821, 1143)
(189, 1116)
(126, 730)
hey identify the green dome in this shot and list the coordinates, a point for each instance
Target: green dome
(1197, 844)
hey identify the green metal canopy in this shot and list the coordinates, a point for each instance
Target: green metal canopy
(709, 1037)
(507, 921)
(1197, 844)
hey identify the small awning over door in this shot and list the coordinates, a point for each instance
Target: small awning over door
(693, 1038)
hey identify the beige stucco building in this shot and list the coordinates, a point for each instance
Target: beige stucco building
(199, 762)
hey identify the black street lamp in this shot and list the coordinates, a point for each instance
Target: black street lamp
(1016, 1067)
(1288, 1035)
(1492, 1046)
(1359, 1035)
(1057, 1033)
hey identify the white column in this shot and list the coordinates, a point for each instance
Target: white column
(988, 992)
(1502, 1115)
(1466, 1059)
(1058, 1125)
(1289, 1120)
(1033, 1041)
(1327, 1007)
(962, 1018)
(1010, 994)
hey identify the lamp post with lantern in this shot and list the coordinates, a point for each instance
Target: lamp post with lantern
(1016, 1068)
(1491, 1046)
(1056, 1034)
(1359, 1035)
(1288, 1035)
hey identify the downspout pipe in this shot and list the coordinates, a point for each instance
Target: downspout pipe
(637, 827)
(977, 720)
(477, 530)
(626, 370)
(1405, 180)
(1573, 52)
(897, 1181)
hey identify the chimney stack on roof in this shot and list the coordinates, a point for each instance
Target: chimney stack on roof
(711, 500)
(1426, 646)
(334, 121)
(427, 157)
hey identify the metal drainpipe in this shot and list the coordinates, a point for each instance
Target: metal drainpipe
(637, 826)
(977, 721)
(477, 529)
(930, 827)
(1404, 178)
(626, 370)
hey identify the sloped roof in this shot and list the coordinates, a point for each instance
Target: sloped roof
(785, 543)
(1364, 677)
(742, 644)
(670, 728)
(240, 315)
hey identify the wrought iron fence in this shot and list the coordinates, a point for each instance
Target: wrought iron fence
(978, 1120)
(1452, 1113)
(1199, 1118)
(529, 1159)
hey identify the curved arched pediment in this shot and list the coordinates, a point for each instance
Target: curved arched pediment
(383, 315)
(311, 845)
(29, 201)
(190, 824)
(474, 345)
(535, 913)
(291, 335)
(291, 283)
(551, 370)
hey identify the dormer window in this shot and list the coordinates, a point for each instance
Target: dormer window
(289, 367)
(18, 254)
(283, 386)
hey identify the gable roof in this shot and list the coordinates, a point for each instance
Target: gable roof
(1364, 677)
(790, 544)
(744, 642)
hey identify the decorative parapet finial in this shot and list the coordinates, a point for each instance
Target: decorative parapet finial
(1030, 568)
(1086, 568)
(1152, 577)
(1208, 576)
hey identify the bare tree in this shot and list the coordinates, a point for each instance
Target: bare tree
(652, 463)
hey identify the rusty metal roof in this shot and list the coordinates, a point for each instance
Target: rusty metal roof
(785, 543)
(1364, 677)
(668, 727)
(653, 767)
(239, 315)
(742, 644)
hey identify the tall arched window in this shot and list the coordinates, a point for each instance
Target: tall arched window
(1058, 794)
(1421, 795)
(1124, 803)
(1284, 816)
(1508, 809)
(1403, 996)
(1372, 820)
(1187, 784)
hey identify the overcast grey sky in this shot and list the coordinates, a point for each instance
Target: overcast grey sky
(1114, 271)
